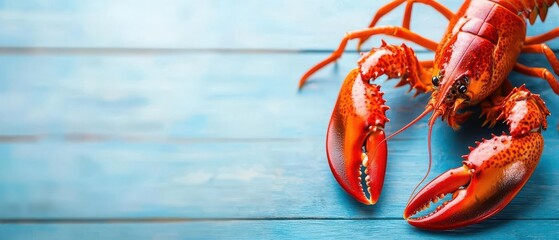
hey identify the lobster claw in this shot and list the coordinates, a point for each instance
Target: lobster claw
(492, 174)
(355, 138)
(478, 191)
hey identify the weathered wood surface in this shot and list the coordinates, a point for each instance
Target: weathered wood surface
(130, 112)
(190, 24)
(275, 229)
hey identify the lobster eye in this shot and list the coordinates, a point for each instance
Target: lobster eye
(462, 89)
(436, 81)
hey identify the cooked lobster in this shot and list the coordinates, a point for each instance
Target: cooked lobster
(472, 61)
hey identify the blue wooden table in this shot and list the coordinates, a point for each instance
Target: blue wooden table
(181, 120)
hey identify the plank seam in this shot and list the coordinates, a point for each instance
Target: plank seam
(91, 137)
(169, 51)
(179, 220)
(86, 138)
(160, 51)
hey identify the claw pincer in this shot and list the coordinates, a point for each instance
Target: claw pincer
(355, 142)
(356, 128)
(492, 174)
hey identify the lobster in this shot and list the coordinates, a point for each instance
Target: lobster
(480, 48)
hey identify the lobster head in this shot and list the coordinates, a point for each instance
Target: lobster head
(469, 66)
(462, 76)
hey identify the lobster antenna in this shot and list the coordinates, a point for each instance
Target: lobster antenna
(431, 123)
(428, 109)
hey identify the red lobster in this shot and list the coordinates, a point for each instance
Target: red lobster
(472, 61)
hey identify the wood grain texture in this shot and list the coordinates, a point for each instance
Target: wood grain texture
(274, 229)
(262, 180)
(225, 142)
(208, 95)
(181, 119)
(191, 24)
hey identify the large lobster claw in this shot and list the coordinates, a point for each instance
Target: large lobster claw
(355, 138)
(492, 174)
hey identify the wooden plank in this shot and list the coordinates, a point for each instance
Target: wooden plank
(208, 95)
(299, 229)
(205, 25)
(185, 95)
(194, 96)
(253, 179)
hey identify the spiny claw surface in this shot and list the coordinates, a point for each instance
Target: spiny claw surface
(492, 174)
(356, 128)
(356, 138)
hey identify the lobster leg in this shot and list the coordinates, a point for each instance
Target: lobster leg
(545, 50)
(407, 14)
(398, 32)
(356, 137)
(492, 174)
(543, 37)
(541, 72)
